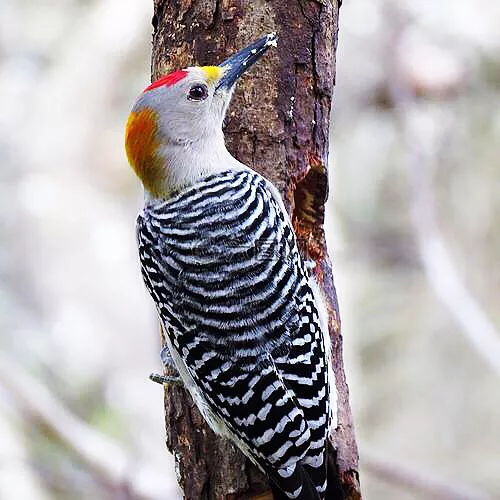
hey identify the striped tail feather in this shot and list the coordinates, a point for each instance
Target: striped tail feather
(301, 478)
(334, 490)
(299, 481)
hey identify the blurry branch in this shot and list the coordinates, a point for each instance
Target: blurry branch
(80, 85)
(407, 478)
(441, 271)
(101, 454)
(436, 257)
(14, 460)
(422, 147)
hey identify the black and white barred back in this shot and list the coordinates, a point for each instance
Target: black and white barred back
(222, 264)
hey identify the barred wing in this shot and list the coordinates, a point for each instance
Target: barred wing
(221, 262)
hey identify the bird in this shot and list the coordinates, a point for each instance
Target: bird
(246, 326)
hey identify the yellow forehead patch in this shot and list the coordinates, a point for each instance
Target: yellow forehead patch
(213, 73)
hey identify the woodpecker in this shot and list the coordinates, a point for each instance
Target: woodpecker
(245, 323)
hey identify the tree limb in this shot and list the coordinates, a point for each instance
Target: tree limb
(278, 124)
(408, 478)
(421, 150)
(103, 456)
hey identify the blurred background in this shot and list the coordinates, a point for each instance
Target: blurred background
(413, 224)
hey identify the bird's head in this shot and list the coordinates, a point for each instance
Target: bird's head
(178, 119)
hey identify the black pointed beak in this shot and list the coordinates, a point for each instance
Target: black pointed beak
(238, 63)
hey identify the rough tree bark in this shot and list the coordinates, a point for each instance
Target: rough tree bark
(278, 124)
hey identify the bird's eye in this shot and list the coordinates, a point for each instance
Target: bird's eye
(198, 92)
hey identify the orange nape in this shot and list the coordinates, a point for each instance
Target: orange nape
(141, 145)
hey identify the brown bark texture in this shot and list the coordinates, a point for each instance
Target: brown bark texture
(278, 124)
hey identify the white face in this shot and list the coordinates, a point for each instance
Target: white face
(191, 109)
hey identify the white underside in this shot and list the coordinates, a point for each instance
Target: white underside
(215, 423)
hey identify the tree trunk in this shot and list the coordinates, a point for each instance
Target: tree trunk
(278, 124)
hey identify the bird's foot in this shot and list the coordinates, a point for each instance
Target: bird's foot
(166, 379)
(168, 361)
(173, 377)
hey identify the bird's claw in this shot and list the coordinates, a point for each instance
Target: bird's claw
(169, 365)
(165, 379)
